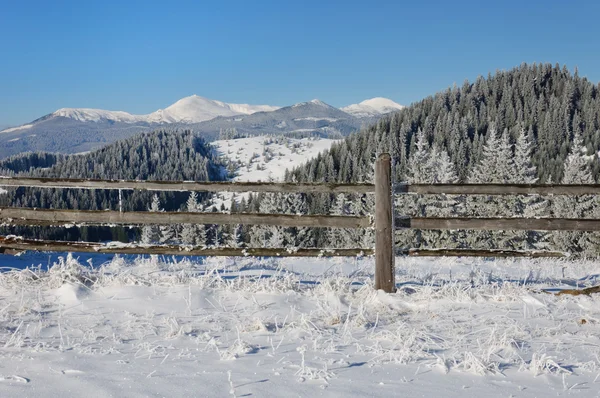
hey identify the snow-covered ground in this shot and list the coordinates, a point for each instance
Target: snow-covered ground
(157, 326)
(266, 158)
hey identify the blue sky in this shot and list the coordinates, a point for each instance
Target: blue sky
(144, 55)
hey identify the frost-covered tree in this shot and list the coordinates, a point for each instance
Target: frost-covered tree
(529, 206)
(497, 163)
(496, 166)
(340, 237)
(297, 236)
(235, 238)
(191, 234)
(151, 233)
(418, 162)
(576, 171)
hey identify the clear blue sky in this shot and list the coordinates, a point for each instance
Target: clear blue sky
(140, 56)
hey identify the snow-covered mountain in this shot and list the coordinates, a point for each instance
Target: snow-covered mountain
(312, 118)
(197, 109)
(372, 107)
(72, 130)
(192, 109)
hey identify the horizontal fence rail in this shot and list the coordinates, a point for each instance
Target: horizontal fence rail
(498, 224)
(19, 244)
(498, 189)
(480, 253)
(25, 216)
(181, 186)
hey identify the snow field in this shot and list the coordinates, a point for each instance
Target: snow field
(296, 327)
(266, 158)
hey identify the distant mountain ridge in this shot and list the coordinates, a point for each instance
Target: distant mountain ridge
(73, 130)
(192, 109)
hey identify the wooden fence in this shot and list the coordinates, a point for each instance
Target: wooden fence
(385, 221)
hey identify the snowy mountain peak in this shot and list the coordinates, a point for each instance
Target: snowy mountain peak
(192, 109)
(372, 107)
(315, 101)
(195, 109)
(96, 115)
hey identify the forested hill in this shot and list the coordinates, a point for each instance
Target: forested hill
(549, 103)
(161, 155)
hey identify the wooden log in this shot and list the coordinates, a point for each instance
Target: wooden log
(19, 244)
(481, 253)
(99, 217)
(384, 245)
(498, 224)
(576, 292)
(499, 189)
(278, 187)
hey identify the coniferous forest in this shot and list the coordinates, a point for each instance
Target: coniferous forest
(535, 123)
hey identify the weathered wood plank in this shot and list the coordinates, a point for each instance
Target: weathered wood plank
(384, 245)
(499, 189)
(480, 253)
(89, 217)
(187, 185)
(499, 224)
(11, 243)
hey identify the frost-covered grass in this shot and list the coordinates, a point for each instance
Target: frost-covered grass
(295, 327)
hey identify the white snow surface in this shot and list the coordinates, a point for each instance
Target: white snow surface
(372, 107)
(192, 109)
(12, 129)
(195, 109)
(96, 115)
(266, 158)
(137, 327)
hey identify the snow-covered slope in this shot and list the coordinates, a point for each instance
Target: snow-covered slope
(96, 115)
(264, 158)
(195, 109)
(15, 129)
(192, 109)
(372, 107)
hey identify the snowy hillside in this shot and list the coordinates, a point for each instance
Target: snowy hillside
(265, 158)
(372, 107)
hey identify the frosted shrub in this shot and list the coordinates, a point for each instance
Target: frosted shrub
(68, 270)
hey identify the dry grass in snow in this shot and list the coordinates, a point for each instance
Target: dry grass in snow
(296, 327)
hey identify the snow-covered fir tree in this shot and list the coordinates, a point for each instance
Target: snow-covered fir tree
(192, 234)
(340, 238)
(576, 171)
(151, 233)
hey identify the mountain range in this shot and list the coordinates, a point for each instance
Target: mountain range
(73, 130)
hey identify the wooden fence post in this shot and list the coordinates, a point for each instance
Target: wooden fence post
(384, 246)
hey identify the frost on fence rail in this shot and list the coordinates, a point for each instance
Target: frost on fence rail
(20, 244)
(498, 189)
(56, 217)
(183, 186)
(497, 224)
